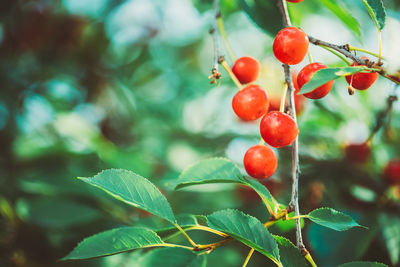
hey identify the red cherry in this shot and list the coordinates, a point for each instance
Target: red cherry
(305, 75)
(392, 172)
(290, 45)
(250, 103)
(246, 69)
(362, 81)
(260, 161)
(278, 129)
(358, 153)
(294, 1)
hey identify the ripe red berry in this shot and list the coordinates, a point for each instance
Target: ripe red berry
(358, 153)
(392, 172)
(246, 69)
(290, 45)
(361, 81)
(250, 103)
(294, 1)
(278, 129)
(260, 161)
(305, 75)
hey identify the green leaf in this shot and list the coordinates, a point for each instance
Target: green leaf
(377, 12)
(290, 255)
(344, 15)
(263, 192)
(265, 14)
(332, 219)
(213, 170)
(323, 76)
(56, 213)
(134, 190)
(390, 226)
(222, 170)
(247, 230)
(114, 241)
(173, 257)
(183, 220)
(363, 264)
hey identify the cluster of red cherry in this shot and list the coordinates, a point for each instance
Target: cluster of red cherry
(277, 128)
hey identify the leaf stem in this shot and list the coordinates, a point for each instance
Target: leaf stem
(296, 217)
(225, 38)
(174, 246)
(228, 69)
(248, 257)
(186, 235)
(207, 229)
(310, 259)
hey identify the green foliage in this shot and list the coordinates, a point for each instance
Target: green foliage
(173, 257)
(332, 219)
(221, 170)
(134, 190)
(377, 12)
(247, 230)
(344, 15)
(265, 14)
(114, 241)
(390, 226)
(290, 255)
(56, 214)
(323, 76)
(363, 264)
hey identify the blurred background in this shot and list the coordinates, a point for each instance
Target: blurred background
(93, 84)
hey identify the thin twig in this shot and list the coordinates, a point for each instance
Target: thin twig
(248, 257)
(382, 116)
(345, 50)
(295, 149)
(215, 74)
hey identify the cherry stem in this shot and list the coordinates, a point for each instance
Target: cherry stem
(225, 38)
(310, 259)
(336, 54)
(283, 99)
(229, 71)
(248, 257)
(310, 58)
(353, 48)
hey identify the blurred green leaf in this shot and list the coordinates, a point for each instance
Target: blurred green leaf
(290, 255)
(332, 219)
(323, 76)
(214, 170)
(344, 15)
(134, 190)
(221, 170)
(390, 226)
(114, 241)
(265, 14)
(55, 213)
(377, 12)
(363, 264)
(173, 257)
(246, 229)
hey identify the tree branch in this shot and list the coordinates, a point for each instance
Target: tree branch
(215, 74)
(294, 203)
(345, 50)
